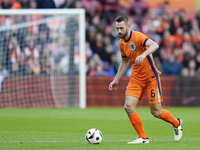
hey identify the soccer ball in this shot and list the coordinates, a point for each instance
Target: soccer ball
(94, 136)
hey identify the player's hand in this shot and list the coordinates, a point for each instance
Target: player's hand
(113, 85)
(139, 59)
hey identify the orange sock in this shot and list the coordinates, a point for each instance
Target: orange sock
(167, 116)
(136, 121)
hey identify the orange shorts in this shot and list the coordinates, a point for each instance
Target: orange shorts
(152, 89)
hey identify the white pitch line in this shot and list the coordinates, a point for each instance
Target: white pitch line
(31, 141)
(5, 142)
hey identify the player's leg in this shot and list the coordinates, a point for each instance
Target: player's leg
(154, 94)
(136, 121)
(158, 112)
(133, 94)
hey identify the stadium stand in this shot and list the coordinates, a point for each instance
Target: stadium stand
(177, 33)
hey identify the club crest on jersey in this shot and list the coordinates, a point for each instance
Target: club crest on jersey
(132, 45)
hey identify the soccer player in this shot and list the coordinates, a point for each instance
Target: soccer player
(138, 48)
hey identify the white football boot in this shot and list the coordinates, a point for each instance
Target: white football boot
(139, 140)
(178, 131)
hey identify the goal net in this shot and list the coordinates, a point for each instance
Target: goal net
(42, 58)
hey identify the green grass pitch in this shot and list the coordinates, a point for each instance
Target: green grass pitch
(65, 129)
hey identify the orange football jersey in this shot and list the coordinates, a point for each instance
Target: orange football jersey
(134, 47)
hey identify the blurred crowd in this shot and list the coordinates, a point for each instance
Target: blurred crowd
(29, 50)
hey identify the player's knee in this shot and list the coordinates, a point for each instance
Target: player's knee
(156, 113)
(128, 107)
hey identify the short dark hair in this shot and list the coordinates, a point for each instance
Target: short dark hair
(122, 18)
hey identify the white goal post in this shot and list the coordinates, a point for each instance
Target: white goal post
(81, 43)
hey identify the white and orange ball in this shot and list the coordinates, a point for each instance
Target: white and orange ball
(94, 136)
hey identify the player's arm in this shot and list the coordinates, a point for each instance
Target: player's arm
(151, 47)
(121, 70)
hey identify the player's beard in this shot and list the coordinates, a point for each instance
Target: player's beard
(124, 35)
